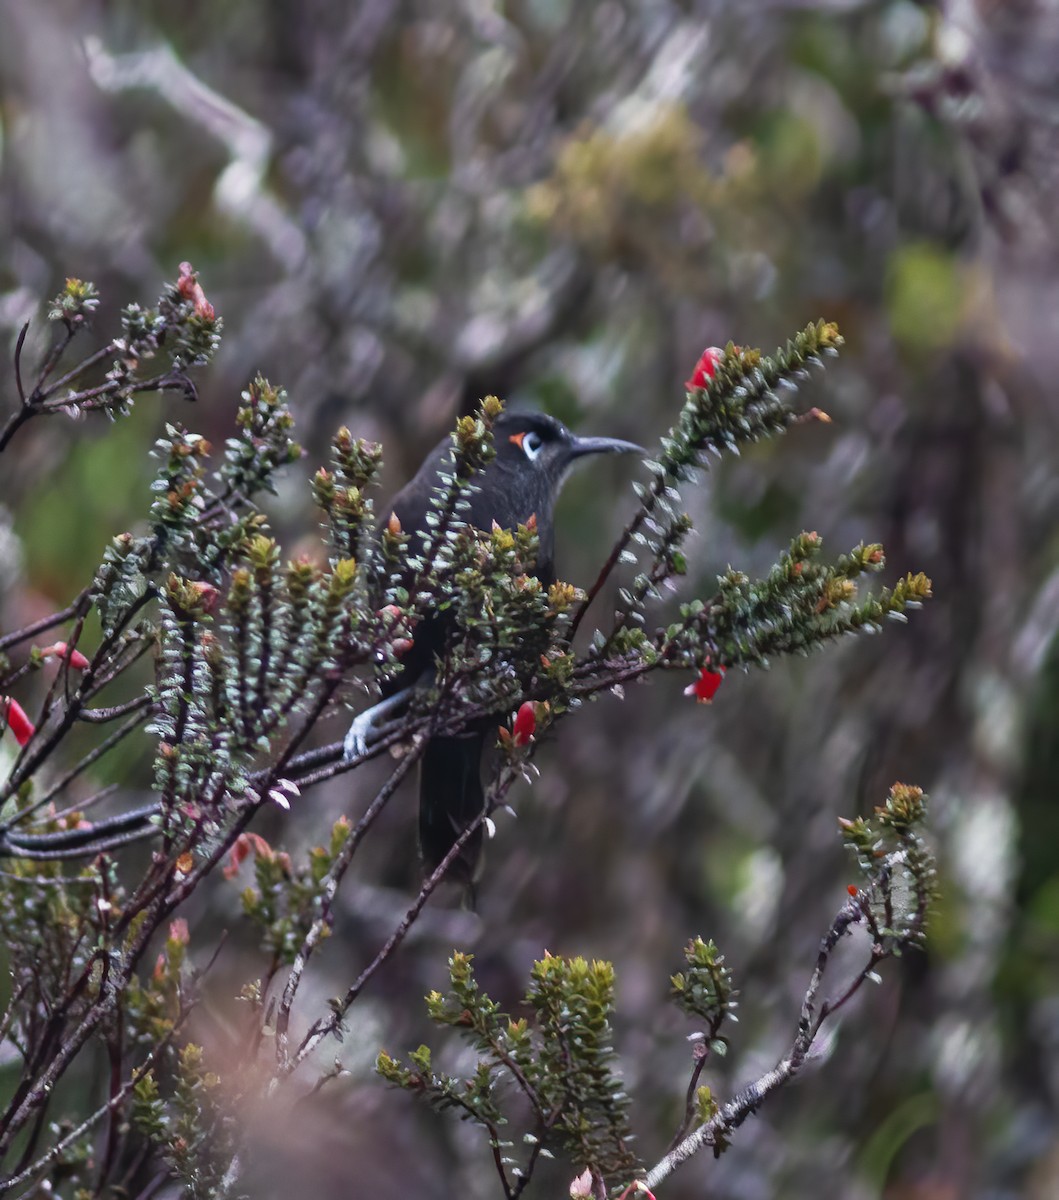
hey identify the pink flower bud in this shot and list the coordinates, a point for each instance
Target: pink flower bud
(581, 1187)
(705, 368)
(178, 931)
(15, 716)
(189, 287)
(61, 650)
(208, 596)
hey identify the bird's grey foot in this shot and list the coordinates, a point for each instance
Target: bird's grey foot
(365, 727)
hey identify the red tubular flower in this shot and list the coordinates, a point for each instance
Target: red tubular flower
(17, 721)
(705, 687)
(525, 723)
(61, 650)
(705, 368)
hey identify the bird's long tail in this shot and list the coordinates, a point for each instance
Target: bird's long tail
(450, 797)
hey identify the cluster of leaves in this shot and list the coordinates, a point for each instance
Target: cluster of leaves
(891, 852)
(508, 627)
(285, 902)
(182, 327)
(198, 521)
(563, 1065)
(562, 1062)
(799, 605)
(803, 602)
(192, 1127)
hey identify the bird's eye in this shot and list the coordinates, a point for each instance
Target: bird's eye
(532, 444)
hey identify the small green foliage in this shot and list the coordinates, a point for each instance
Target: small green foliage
(905, 808)
(78, 300)
(183, 331)
(741, 404)
(800, 604)
(563, 1062)
(195, 327)
(286, 901)
(572, 1000)
(191, 1127)
(473, 443)
(562, 597)
(898, 867)
(144, 329)
(342, 492)
(706, 1108)
(704, 989)
(148, 1108)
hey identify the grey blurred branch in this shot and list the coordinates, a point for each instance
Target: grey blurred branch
(241, 190)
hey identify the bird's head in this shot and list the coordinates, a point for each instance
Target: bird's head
(535, 445)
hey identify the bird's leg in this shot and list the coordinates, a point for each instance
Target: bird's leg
(365, 724)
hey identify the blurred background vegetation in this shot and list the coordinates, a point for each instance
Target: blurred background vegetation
(400, 206)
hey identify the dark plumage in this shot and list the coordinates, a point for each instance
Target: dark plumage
(534, 454)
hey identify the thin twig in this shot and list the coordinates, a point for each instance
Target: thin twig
(323, 1027)
(93, 756)
(23, 635)
(702, 1054)
(329, 886)
(86, 364)
(18, 364)
(100, 716)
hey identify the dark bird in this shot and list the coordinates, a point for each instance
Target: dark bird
(534, 455)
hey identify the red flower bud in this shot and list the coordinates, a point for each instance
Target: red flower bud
(61, 650)
(705, 368)
(15, 716)
(525, 723)
(705, 687)
(852, 889)
(244, 844)
(240, 850)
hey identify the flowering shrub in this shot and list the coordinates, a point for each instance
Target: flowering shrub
(250, 650)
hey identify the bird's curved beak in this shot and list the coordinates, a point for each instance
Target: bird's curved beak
(581, 446)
